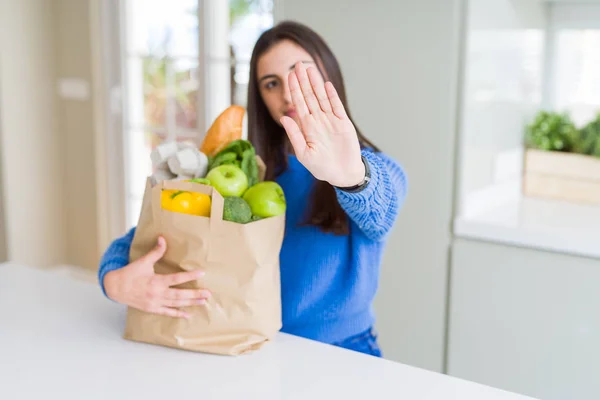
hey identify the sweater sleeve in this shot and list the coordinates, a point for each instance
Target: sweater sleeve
(375, 208)
(116, 256)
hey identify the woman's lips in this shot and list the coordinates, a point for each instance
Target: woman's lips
(291, 113)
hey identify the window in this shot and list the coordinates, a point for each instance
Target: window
(248, 19)
(183, 62)
(575, 61)
(521, 57)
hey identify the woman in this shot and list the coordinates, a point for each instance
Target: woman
(343, 196)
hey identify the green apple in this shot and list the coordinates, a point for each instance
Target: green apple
(266, 199)
(228, 179)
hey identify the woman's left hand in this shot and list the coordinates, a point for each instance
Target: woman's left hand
(326, 142)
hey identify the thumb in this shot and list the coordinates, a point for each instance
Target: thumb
(157, 252)
(294, 133)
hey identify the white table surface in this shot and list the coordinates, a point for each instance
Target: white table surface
(61, 339)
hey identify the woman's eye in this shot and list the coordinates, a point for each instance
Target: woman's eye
(270, 85)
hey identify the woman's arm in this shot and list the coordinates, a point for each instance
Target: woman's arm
(375, 208)
(115, 257)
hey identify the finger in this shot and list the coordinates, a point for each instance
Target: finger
(297, 139)
(186, 294)
(181, 277)
(184, 302)
(319, 88)
(296, 94)
(172, 312)
(336, 102)
(157, 252)
(307, 90)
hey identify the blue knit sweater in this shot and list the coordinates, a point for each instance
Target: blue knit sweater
(328, 282)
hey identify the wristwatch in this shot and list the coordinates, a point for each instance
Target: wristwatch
(361, 185)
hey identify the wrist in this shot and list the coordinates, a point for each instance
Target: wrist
(112, 284)
(360, 180)
(358, 176)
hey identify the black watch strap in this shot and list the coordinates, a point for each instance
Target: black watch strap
(365, 181)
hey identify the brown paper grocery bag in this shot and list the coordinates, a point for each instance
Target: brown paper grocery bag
(241, 262)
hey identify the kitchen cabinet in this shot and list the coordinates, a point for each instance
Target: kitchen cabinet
(525, 320)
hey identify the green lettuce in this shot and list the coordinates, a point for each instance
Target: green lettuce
(240, 153)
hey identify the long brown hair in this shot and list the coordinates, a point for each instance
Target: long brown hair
(270, 139)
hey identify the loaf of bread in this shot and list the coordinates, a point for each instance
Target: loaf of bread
(226, 128)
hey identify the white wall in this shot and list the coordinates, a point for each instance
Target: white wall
(74, 62)
(526, 321)
(399, 60)
(31, 145)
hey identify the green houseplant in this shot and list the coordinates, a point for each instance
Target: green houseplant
(561, 161)
(589, 138)
(551, 131)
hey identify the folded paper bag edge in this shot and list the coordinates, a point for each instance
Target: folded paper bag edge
(231, 344)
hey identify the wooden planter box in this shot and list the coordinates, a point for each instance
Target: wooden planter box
(563, 176)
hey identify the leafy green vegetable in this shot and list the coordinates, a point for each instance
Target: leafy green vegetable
(240, 153)
(203, 181)
(249, 166)
(222, 158)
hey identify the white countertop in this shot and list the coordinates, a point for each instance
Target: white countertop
(61, 339)
(548, 225)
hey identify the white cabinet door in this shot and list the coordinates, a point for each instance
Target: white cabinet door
(3, 250)
(525, 321)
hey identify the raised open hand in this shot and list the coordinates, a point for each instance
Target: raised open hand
(325, 141)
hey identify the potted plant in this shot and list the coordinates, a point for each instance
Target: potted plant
(561, 161)
(589, 138)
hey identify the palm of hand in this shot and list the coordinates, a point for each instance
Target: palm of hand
(326, 142)
(138, 286)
